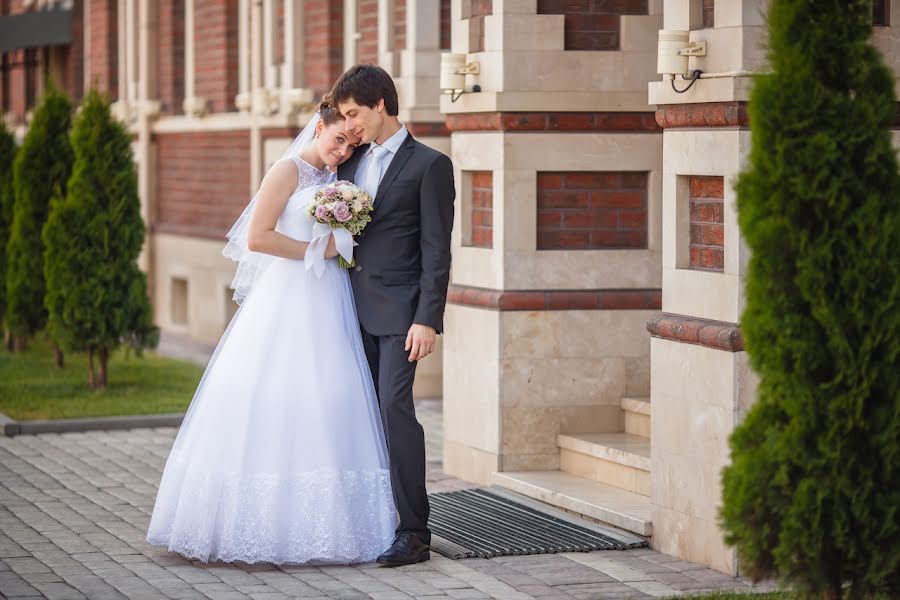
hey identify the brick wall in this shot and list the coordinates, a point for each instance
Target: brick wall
(367, 24)
(445, 24)
(592, 25)
(104, 47)
(73, 55)
(709, 13)
(170, 56)
(707, 243)
(591, 210)
(216, 53)
(482, 209)
(399, 25)
(202, 182)
(324, 30)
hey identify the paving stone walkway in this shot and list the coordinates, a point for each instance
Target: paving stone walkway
(74, 510)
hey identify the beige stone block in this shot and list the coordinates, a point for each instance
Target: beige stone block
(574, 269)
(729, 50)
(200, 263)
(536, 100)
(640, 32)
(604, 471)
(636, 424)
(519, 224)
(589, 419)
(637, 373)
(530, 462)
(579, 71)
(687, 483)
(747, 382)
(577, 334)
(692, 539)
(514, 6)
(554, 382)
(429, 382)
(506, 32)
(718, 301)
(731, 13)
(580, 152)
(471, 378)
(470, 464)
(682, 14)
(529, 430)
(723, 89)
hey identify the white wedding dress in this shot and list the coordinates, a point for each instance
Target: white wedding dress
(281, 456)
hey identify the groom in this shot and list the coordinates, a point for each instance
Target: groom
(400, 279)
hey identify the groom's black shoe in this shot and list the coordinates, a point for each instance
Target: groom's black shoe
(407, 549)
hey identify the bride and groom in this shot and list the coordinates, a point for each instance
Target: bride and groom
(301, 444)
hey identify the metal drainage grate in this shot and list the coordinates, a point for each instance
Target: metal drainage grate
(482, 524)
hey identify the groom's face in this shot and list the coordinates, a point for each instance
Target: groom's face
(363, 121)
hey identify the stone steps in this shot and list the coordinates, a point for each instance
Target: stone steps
(636, 413)
(618, 459)
(601, 502)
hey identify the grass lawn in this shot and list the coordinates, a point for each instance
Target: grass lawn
(32, 387)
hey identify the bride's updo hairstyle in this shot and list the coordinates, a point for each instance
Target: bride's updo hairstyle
(328, 111)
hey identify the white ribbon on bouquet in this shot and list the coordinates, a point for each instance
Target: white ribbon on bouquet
(315, 253)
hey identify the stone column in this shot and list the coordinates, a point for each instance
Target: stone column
(193, 106)
(243, 99)
(557, 237)
(147, 110)
(387, 58)
(701, 384)
(295, 95)
(351, 33)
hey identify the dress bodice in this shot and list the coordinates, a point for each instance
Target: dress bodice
(294, 221)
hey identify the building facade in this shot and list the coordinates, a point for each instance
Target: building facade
(592, 357)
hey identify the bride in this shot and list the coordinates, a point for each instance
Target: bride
(281, 456)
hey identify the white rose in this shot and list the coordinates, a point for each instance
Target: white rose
(347, 194)
(357, 206)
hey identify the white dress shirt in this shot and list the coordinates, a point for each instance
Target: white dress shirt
(392, 145)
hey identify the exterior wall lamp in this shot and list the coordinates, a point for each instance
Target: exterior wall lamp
(454, 70)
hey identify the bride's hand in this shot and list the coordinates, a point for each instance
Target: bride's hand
(331, 249)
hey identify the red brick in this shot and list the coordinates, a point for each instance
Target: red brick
(629, 300)
(563, 240)
(549, 219)
(574, 300)
(618, 239)
(445, 24)
(549, 181)
(522, 301)
(482, 237)
(590, 180)
(618, 199)
(633, 219)
(571, 121)
(712, 234)
(483, 179)
(563, 199)
(604, 219)
(482, 7)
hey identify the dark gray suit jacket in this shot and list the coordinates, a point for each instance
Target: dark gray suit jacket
(403, 257)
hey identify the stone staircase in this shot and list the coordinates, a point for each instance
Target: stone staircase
(603, 476)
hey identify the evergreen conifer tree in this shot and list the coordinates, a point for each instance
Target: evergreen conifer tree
(42, 168)
(97, 295)
(813, 491)
(7, 156)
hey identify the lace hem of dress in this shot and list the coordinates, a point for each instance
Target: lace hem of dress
(328, 516)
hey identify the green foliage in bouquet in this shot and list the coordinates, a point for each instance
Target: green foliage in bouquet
(41, 170)
(7, 197)
(813, 492)
(96, 294)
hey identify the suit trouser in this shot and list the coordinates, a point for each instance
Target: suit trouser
(393, 375)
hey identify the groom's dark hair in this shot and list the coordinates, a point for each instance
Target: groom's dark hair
(366, 85)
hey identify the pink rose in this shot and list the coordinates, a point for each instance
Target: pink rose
(321, 213)
(342, 212)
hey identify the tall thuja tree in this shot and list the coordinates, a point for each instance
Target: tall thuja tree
(42, 168)
(96, 293)
(7, 156)
(813, 492)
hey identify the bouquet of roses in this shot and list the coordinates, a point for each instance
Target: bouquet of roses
(342, 205)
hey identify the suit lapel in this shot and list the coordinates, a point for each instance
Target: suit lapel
(403, 154)
(347, 171)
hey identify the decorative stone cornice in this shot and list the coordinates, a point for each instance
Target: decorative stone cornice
(702, 332)
(535, 300)
(704, 114)
(637, 122)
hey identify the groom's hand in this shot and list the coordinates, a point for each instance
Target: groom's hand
(420, 341)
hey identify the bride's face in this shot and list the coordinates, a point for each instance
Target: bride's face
(335, 145)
